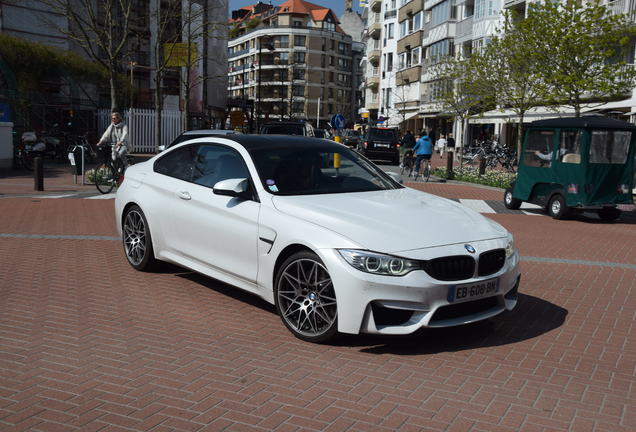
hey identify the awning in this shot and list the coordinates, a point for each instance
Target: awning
(509, 116)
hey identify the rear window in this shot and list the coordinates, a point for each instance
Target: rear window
(284, 129)
(383, 134)
(609, 147)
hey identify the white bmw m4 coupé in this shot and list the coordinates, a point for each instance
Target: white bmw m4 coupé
(317, 230)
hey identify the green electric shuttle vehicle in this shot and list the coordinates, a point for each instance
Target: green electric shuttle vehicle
(576, 164)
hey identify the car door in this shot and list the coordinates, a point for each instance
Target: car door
(217, 231)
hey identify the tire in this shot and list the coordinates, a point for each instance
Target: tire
(557, 208)
(510, 202)
(305, 298)
(426, 172)
(609, 214)
(137, 240)
(104, 177)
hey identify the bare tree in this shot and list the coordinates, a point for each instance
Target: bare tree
(101, 28)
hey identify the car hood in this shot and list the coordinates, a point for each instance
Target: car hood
(392, 221)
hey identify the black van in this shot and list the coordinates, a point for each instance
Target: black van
(382, 144)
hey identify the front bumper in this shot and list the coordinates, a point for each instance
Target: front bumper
(370, 303)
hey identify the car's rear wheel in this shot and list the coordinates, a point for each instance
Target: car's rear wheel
(305, 298)
(510, 202)
(557, 207)
(137, 240)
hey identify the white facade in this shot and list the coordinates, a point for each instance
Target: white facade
(389, 96)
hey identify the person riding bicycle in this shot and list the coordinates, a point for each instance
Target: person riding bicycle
(423, 150)
(116, 135)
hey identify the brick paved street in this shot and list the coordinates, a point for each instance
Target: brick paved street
(87, 343)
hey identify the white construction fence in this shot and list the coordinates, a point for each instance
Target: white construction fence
(141, 127)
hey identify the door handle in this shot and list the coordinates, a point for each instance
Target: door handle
(184, 195)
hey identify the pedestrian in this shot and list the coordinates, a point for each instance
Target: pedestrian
(423, 150)
(116, 135)
(441, 145)
(450, 144)
(431, 134)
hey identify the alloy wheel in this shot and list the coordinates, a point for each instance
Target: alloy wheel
(134, 237)
(306, 298)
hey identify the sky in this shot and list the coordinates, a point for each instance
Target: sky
(336, 5)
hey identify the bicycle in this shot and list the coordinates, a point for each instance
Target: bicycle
(109, 173)
(425, 170)
(408, 163)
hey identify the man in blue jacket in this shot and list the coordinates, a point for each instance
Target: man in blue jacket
(423, 150)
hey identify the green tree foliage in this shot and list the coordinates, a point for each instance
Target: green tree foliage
(34, 63)
(579, 50)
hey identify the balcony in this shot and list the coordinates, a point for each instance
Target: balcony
(373, 105)
(375, 5)
(410, 9)
(412, 40)
(374, 55)
(409, 75)
(375, 29)
(464, 30)
(390, 14)
(437, 33)
(373, 81)
(239, 53)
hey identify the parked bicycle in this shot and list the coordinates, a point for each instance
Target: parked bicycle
(108, 174)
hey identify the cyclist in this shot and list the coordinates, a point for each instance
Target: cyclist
(423, 150)
(116, 135)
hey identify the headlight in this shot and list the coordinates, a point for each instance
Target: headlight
(375, 263)
(510, 246)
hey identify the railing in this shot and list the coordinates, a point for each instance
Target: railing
(141, 127)
(238, 53)
(464, 28)
(618, 7)
(390, 14)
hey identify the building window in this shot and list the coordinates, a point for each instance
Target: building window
(299, 74)
(299, 41)
(297, 23)
(299, 91)
(299, 57)
(283, 41)
(390, 31)
(441, 13)
(328, 24)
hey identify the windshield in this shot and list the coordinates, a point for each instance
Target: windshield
(383, 134)
(283, 129)
(318, 170)
(609, 147)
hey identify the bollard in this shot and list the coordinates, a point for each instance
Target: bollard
(449, 166)
(38, 174)
(482, 166)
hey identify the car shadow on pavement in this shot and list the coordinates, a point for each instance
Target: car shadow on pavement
(627, 218)
(222, 288)
(531, 318)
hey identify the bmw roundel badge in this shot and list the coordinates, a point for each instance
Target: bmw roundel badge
(469, 248)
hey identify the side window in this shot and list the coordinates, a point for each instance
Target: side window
(539, 148)
(609, 147)
(214, 163)
(177, 163)
(570, 147)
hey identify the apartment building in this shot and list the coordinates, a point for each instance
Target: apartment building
(293, 60)
(381, 63)
(410, 55)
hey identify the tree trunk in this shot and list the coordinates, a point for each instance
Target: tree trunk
(520, 135)
(113, 89)
(158, 110)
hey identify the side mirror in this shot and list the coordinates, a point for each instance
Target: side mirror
(161, 148)
(395, 176)
(237, 187)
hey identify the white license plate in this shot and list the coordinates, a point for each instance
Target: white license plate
(458, 293)
(383, 145)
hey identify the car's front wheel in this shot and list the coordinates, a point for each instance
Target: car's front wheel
(137, 240)
(305, 298)
(511, 202)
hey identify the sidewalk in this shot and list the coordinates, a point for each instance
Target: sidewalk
(58, 180)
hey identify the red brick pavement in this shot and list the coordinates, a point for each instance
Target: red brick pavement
(87, 343)
(57, 178)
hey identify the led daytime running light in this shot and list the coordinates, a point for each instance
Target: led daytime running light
(380, 264)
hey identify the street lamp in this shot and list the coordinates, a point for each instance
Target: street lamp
(260, 62)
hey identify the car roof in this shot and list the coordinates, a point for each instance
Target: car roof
(210, 132)
(583, 122)
(257, 142)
